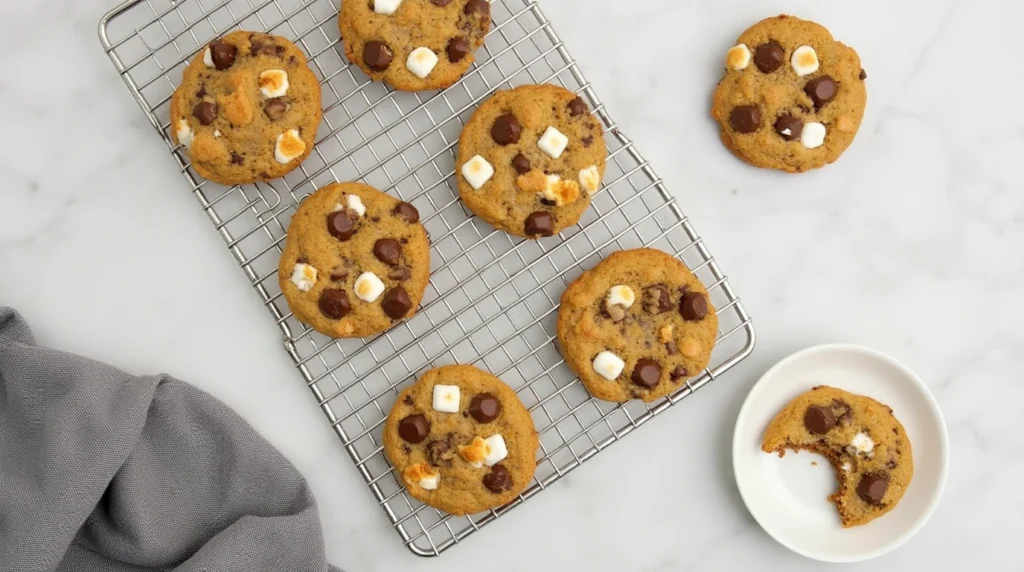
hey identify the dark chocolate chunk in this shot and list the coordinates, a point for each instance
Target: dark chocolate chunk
(657, 299)
(482, 7)
(769, 57)
(821, 90)
(440, 453)
(223, 55)
(458, 48)
(340, 225)
(407, 212)
(863, 74)
(334, 303)
(205, 112)
(871, 488)
(646, 373)
(678, 373)
(789, 127)
(377, 55)
(521, 164)
(577, 107)
(388, 251)
(236, 159)
(414, 428)
(484, 408)
(400, 273)
(498, 479)
(819, 420)
(539, 223)
(693, 306)
(506, 130)
(745, 118)
(274, 109)
(396, 303)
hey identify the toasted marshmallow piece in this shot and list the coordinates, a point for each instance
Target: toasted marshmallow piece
(738, 57)
(304, 277)
(813, 135)
(804, 61)
(590, 178)
(496, 450)
(368, 287)
(863, 443)
(290, 146)
(622, 295)
(184, 133)
(273, 83)
(421, 62)
(386, 7)
(422, 475)
(475, 452)
(559, 191)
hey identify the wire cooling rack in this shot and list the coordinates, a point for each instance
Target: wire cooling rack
(492, 299)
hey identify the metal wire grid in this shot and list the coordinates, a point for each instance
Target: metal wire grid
(492, 299)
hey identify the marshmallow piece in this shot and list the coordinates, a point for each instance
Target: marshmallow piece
(184, 133)
(273, 83)
(421, 62)
(386, 7)
(804, 61)
(560, 192)
(304, 277)
(289, 147)
(738, 57)
(813, 135)
(847, 467)
(208, 57)
(608, 365)
(477, 171)
(422, 475)
(590, 178)
(622, 295)
(496, 450)
(475, 452)
(368, 287)
(355, 204)
(217, 133)
(553, 142)
(446, 398)
(863, 443)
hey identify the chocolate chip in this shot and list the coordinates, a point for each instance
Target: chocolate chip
(657, 299)
(498, 479)
(339, 274)
(441, 3)
(201, 93)
(340, 225)
(275, 108)
(396, 303)
(693, 306)
(440, 453)
(872, 487)
(539, 223)
(521, 164)
(334, 303)
(745, 119)
(546, 201)
(400, 273)
(845, 420)
(587, 141)
(458, 48)
(646, 373)
(377, 55)
(478, 7)
(819, 420)
(789, 127)
(678, 373)
(577, 107)
(484, 408)
(863, 74)
(616, 312)
(223, 55)
(205, 112)
(821, 90)
(408, 400)
(891, 462)
(388, 251)
(407, 212)
(414, 428)
(236, 159)
(768, 57)
(506, 129)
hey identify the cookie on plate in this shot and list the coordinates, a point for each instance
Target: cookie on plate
(530, 159)
(792, 97)
(862, 439)
(356, 261)
(247, 109)
(414, 45)
(461, 441)
(636, 326)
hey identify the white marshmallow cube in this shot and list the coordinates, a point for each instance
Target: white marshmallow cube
(421, 62)
(813, 135)
(368, 287)
(386, 7)
(863, 443)
(184, 133)
(553, 142)
(496, 450)
(590, 178)
(304, 277)
(208, 57)
(622, 295)
(355, 204)
(738, 57)
(608, 365)
(477, 171)
(289, 147)
(446, 398)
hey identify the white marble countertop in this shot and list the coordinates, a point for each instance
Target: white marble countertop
(909, 244)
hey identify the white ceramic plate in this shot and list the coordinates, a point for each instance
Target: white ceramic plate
(787, 496)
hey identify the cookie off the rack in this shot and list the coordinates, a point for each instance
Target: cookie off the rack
(792, 97)
(461, 441)
(636, 326)
(530, 159)
(863, 440)
(247, 109)
(356, 261)
(414, 45)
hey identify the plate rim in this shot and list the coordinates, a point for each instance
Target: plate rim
(929, 399)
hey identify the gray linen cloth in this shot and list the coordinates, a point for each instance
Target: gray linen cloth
(104, 471)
